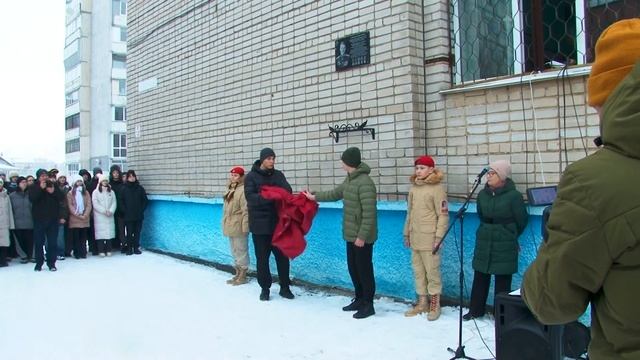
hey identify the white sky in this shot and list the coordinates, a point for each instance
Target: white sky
(32, 73)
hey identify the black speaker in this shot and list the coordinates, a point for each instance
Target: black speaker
(519, 336)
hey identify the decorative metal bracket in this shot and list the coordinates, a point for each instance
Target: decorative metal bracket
(336, 130)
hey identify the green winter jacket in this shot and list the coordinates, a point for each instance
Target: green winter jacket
(503, 217)
(592, 254)
(360, 218)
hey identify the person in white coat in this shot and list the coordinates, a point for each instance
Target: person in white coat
(104, 206)
(6, 224)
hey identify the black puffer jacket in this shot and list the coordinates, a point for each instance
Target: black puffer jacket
(45, 206)
(263, 216)
(132, 201)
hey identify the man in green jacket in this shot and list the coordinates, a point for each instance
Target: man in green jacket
(359, 228)
(592, 253)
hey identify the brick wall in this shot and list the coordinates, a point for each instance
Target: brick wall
(233, 77)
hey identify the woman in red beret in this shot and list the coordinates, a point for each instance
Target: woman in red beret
(235, 224)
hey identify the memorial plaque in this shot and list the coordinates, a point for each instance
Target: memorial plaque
(352, 51)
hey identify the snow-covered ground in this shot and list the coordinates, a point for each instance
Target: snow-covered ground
(156, 307)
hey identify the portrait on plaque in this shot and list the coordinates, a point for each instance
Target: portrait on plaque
(352, 51)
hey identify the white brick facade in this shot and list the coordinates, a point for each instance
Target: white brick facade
(233, 77)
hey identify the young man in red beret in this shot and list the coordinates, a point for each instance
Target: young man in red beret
(426, 223)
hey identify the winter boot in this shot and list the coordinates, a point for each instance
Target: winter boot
(353, 306)
(365, 310)
(235, 275)
(241, 277)
(434, 308)
(286, 293)
(421, 307)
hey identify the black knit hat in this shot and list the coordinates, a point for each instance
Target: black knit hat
(97, 170)
(20, 179)
(115, 167)
(40, 172)
(351, 157)
(265, 153)
(83, 172)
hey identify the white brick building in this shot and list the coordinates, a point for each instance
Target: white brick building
(212, 82)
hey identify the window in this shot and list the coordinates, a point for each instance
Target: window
(119, 145)
(506, 37)
(71, 98)
(119, 61)
(72, 145)
(72, 122)
(123, 34)
(73, 168)
(119, 87)
(119, 113)
(119, 7)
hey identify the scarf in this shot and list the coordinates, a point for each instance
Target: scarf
(79, 202)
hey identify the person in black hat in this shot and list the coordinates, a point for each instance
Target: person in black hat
(46, 210)
(263, 218)
(360, 228)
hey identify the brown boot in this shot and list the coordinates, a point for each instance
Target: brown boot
(434, 308)
(421, 307)
(242, 277)
(235, 276)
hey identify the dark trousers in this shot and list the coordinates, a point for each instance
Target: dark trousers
(264, 248)
(12, 252)
(46, 232)
(480, 290)
(104, 246)
(360, 264)
(4, 251)
(79, 236)
(91, 237)
(25, 239)
(133, 233)
(119, 239)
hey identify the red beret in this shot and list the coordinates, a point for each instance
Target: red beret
(238, 170)
(425, 160)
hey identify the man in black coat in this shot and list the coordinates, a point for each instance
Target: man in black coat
(263, 218)
(46, 201)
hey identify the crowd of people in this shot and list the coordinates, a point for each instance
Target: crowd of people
(47, 218)
(501, 207)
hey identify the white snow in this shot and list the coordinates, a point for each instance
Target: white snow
(156, 307)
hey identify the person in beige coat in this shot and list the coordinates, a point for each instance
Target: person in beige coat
(79, 204)
(235, 224)
(426, 223)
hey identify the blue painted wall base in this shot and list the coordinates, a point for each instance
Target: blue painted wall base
(192, 227)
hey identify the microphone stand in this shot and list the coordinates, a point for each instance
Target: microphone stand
(459, 352)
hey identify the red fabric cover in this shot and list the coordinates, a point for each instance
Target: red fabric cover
(295, 215)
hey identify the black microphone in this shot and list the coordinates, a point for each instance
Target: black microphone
(484, 171)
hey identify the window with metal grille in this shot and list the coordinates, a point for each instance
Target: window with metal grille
(119, 145)
(495, 38)
(72, 122)
(73, 168)
(72, 145)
